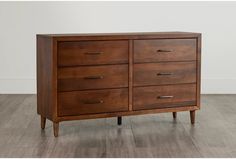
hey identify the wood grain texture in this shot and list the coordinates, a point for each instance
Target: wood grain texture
(55, 129)
(129, 113)
(164, 73)
(157, 135)
(91, 102)
(92, 53)
(199, 46)
(164, 50)
(92, 77)
(74, 64)
(164, 96)
(122, 36)
(43, 122)
(130, 75)
(192, 116)
(45, 77)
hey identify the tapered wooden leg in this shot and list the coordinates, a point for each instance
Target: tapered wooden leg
(43, 122)
(55, 129)
(119, 120)
(174, 115)
(192, 116)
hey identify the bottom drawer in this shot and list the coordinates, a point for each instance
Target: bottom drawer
(164, 96)
(94, 101)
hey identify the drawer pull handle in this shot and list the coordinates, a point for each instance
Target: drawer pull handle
(164, 74)
(164, 97)
(93, 77)
(93, 53)
(93, 102)
(163, 50)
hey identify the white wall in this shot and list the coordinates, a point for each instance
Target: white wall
(20, 21)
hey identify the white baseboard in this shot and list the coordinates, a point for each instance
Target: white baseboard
(218, 86)
(17, 86)
(28, 86)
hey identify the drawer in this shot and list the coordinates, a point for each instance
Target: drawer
(90, 102)
(164, 73)
(92, 77)
(164, 50)
(164, 96)
(92, 53)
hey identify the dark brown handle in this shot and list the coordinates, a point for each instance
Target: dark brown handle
(164, 74)
(164, 50)
(94, 77)
(164, 97)
(93, 101)
(93, 53)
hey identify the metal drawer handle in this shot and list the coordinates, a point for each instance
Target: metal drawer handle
(164, 73)
(93, 102)
(93, 53)
(163, 50)
(93, 77)
(164, 97)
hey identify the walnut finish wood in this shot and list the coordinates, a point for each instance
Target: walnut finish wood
(199, 39)
(130, 75)
(46, 77)
(164, 73)
(164, 50)
(129, 113)
(118, 68)
(117, 36)
(55, 129)
(92, 77)
(91, 102)
(92, 53)
(43, 122)
(192, 116)
(164, 96)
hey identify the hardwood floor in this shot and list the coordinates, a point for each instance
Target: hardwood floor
(159, 135)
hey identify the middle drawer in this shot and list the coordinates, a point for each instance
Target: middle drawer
(164, 73)
(92, 77)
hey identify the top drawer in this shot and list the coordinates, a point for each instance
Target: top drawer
(164, 50)
(92, 52)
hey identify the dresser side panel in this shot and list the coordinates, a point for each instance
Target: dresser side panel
(45, 80)
(199, 48)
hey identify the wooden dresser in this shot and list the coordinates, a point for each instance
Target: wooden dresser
(84, 76)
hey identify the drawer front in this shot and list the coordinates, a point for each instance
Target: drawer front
(92, 53)
(92, 77)
(90, 102)
(164, 73)
(164, 50)
(164, 96)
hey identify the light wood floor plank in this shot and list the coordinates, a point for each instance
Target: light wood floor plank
(154, 135)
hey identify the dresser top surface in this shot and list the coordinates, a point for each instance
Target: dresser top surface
(130, 34)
